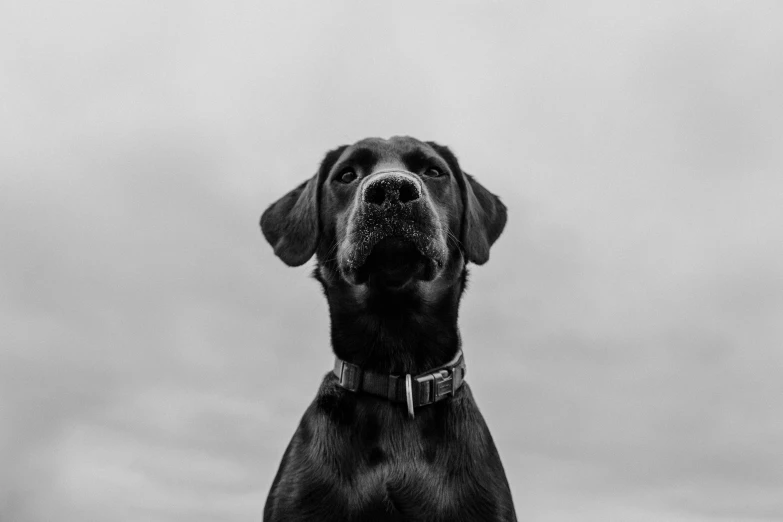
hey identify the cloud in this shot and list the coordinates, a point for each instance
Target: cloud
(623, 342)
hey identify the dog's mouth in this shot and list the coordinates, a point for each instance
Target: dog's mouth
(392, 261)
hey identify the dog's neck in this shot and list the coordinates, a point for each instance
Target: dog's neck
(395, 332)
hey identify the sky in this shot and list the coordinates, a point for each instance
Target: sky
(624, 342)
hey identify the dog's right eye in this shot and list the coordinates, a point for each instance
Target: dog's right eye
(347, 176)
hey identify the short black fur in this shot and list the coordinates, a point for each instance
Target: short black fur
(358, 457)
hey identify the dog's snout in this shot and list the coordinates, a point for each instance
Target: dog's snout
(392, 188)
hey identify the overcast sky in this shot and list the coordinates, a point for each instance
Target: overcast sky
(625, 342)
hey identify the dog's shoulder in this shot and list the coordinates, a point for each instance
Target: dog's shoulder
(356, 455)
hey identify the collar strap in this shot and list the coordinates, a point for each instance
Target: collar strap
(419, 390)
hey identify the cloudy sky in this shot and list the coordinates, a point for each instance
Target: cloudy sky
(625, 342)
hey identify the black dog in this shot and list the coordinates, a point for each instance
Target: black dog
(393, 433)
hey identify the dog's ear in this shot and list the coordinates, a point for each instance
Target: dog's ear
(484, 215)
(485, 219)
(291, 224)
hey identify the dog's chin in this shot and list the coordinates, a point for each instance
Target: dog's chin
(393, 264)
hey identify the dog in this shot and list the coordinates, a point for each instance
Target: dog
(394, 432)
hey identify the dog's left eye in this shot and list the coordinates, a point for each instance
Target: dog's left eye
(432, 172)
(347, 176)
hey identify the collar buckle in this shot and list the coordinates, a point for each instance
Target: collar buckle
(444, 384)
(435, 386)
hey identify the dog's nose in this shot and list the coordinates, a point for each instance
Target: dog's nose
(387, 188)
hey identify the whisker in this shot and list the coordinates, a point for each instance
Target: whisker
(453, 238)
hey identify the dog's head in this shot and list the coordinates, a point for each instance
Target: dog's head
(386, 213)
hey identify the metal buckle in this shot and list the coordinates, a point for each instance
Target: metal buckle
(409, 394)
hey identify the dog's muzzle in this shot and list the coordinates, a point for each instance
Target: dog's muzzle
(393, 207)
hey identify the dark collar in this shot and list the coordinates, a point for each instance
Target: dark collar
(419, 390)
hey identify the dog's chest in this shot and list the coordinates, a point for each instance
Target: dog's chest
(385, 458)
(398, 467)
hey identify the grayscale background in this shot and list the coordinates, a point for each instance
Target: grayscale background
(625, 342)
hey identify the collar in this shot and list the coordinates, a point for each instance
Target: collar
(420, 390)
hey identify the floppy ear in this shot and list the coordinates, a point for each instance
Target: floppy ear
(485, 219)
(484, 215)
(290, 224)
